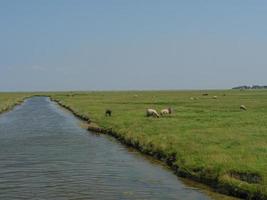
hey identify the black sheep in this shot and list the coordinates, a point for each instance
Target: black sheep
(108, 113)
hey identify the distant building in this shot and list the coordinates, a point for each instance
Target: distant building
(246, 87)
(242, 87)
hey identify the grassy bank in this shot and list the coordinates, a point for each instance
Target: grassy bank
(209, 140)
(9, 100)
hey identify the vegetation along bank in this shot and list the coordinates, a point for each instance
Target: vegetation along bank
(9, 100)
(207, 139)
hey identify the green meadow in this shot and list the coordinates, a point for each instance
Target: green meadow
(209, 140)
(9, 100)
(206, 139)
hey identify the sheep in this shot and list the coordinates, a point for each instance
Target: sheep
(214, 97)
(242, 107)
(108, 112)
(152, 113)
(167, 111)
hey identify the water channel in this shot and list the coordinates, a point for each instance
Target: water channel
(45, 154)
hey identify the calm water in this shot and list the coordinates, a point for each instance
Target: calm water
(45, 154)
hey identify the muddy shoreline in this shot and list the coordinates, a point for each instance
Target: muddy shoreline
(199, 176)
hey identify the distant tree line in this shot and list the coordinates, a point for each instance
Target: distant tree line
(242, 87)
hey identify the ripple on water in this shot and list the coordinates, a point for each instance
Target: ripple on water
(46, 155)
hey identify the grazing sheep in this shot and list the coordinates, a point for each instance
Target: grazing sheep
(166, 111)
(108, 113)
(242, 107)
(152, 113)
(215, 97)
(192, 98)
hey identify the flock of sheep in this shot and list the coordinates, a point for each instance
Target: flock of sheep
(153, 113)
(167, 111)
(149, 112)
(242, 107)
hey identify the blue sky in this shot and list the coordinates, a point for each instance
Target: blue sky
(131, 44)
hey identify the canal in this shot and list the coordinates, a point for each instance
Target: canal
(45, 154)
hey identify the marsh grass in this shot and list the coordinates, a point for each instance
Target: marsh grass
(9, 100)
(209, 138)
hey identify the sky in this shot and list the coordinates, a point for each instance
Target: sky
(52, 45)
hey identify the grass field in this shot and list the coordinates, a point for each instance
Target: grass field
(206, 139)
(9, 100)
(209, 140)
